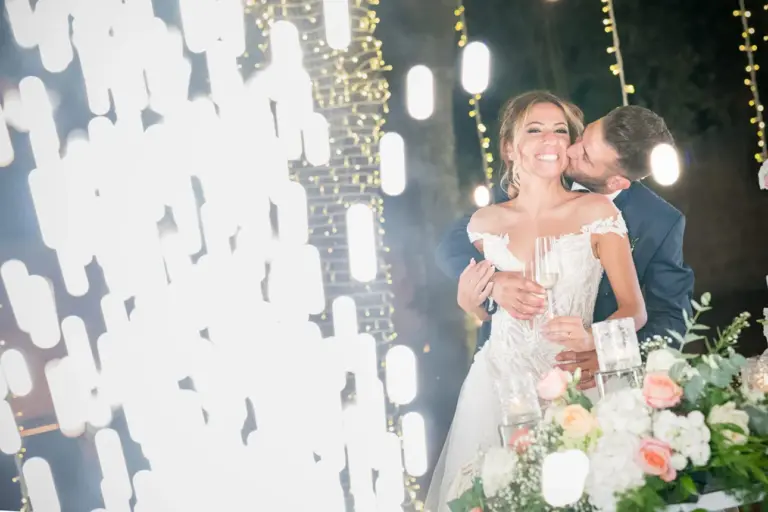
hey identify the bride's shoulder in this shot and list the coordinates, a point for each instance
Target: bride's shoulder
(488, 218)
(593, 207)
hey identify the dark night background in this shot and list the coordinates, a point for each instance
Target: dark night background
(682, 57)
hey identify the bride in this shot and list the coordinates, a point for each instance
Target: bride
(536, 129)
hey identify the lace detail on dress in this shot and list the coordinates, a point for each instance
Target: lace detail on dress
(496, 249)
(607, 225)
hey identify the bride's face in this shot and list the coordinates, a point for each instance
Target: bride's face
(541, 142)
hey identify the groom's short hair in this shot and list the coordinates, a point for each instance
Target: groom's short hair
(633, 132)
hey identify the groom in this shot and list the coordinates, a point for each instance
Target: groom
(611, 158)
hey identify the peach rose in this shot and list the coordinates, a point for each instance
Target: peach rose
(576, 421)
(655, 458)
(660, 391)
(520, 439)
(553, 385)
(476, 509)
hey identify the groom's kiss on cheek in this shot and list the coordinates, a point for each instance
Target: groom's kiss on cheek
(594, 163)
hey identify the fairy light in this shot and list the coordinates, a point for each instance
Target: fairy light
(749, 47)
(474, 102)
(609, 22)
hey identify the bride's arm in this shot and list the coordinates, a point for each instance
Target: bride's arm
(611, 246)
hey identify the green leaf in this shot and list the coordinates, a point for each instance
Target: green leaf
(758, 419)
(694, 388)
(739, 360)
(686, 482)
(676, 336)
(676, 372)
(696, 305)
(689, 337)
(699, 327)
(706, 298)
(687, 319)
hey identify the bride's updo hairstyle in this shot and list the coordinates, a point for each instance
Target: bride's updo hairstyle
(513, 118)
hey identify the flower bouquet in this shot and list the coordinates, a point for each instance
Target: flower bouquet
(691, 429)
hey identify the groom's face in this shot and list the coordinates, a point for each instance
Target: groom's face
(594, 163)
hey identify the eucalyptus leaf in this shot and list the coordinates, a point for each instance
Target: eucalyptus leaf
(677, 370)
(739, 360)
(687, 319)
(694, 388)
(699, 327)
(758, 419)
(706, 298)
(676, 336)
(696, 305)
(689, 337)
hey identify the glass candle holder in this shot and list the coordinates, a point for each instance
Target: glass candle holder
(616, 344)
(520, 407)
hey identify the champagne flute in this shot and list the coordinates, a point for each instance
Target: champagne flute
(546, 269)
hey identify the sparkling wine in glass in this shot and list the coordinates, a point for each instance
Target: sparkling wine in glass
(546, 268)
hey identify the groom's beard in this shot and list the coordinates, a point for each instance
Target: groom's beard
(593, 184)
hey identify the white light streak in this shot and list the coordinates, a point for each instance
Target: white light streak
(23, 22)
(344, 317)
(42, 490)
(475, 67)
(362, 243)
(6, 147)
(414, 444)
(16, 371)
(392, 150)
(10, 439)
(52, 17)
(420, 89)
(401, 375)
(338, 32)
(317, 147)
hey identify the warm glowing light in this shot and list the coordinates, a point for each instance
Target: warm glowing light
(392, 149)
(362, 243)
(475, 67)
(420, 87)
(665, 164)
(482, 196)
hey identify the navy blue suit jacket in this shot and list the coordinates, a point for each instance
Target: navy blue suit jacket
(656, 231)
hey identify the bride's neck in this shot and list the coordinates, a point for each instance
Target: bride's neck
(536, 195)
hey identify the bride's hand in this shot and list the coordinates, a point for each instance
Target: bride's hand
(569, 331)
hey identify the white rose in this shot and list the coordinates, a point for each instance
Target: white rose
(701, 456)
(679, 461)
(662, 360)
(498, 470)
(729, 414)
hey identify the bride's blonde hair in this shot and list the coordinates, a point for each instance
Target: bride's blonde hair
(513, 117)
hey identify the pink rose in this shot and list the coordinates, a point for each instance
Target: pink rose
(655, 458)
(660, 391)
(520, 440)
(553, 385)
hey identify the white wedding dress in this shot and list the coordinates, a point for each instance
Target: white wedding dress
(512, 350)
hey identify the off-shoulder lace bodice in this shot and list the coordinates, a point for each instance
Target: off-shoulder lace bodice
(512, 345)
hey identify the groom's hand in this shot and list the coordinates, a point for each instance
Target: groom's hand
(587, 361)
(520, 297)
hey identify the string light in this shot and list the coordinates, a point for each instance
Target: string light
(350, 90)
(750, 48)
(617, 69)
(474, 103)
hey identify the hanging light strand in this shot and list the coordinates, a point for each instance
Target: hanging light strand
(750, 48)
(617, 68)
(474, 103)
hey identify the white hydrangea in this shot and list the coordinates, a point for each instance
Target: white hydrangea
(662, 360)
(498, 470)
(687, 435)
(624, 411)
(613, 469)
